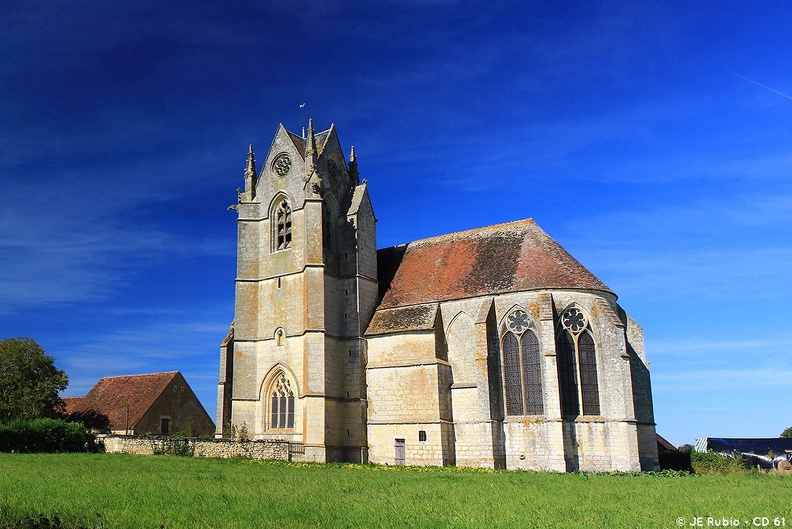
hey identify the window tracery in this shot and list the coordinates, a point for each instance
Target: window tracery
(522, 370)
(282, 404)
(577, 365)
(283, 226)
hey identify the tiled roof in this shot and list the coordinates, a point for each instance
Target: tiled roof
(511, 257)
(414, 318)
(111, 396)
(664, 444)
(71, 403)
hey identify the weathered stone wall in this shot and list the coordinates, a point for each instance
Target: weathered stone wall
(222, 448)
(403, 379)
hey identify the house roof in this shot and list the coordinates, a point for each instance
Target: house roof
(111, 396)
(512, 257)
(71, 403)
(664, 444)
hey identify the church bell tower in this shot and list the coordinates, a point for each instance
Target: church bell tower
(292, 366)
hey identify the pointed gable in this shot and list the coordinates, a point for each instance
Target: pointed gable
(511, 257)
(111, 396)
(298, 142)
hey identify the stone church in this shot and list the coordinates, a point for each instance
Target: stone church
(491, 347)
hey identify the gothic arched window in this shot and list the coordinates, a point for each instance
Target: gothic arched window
(329, 219)
(283, 226)
(328, 214)
(522, 368)
(281, 403)
(577, 365)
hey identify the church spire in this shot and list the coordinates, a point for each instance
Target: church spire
(312, 178)
(250, 174)
(310, 148)
(353, 167)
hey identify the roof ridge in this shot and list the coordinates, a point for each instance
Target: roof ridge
(145, 374)
(473, 231)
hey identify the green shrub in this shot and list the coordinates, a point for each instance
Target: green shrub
(45, 435)
(713, 463)
(675, 461)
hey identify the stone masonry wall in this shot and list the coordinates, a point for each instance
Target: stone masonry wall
(222, 448)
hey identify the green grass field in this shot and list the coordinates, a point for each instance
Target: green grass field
(177, 492)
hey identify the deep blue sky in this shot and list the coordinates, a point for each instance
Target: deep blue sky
(653, 140)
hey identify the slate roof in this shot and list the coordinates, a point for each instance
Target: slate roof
(512, 257)
(300, 142)
(111, 395)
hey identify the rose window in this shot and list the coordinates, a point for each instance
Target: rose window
(281, 164)
(518, 321)
(574, 320)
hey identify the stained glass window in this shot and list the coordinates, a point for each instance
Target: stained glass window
(588, 374)
(577, 366)
(532, 374)
(567, 375)
(511, 375)
(522, 368)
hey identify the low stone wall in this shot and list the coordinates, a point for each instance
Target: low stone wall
(260, 449)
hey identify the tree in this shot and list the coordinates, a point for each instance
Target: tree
(29, 381)
(787, 433)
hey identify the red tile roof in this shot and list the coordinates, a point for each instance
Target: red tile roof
(511, 257)
(664, 444)
(71, 403)
(111, 396)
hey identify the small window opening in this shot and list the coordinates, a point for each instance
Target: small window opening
(284, 226)
(422, 436)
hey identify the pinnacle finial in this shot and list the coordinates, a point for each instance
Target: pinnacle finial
(250, 176)
(311, 148)
(251, 161)
(353, 167)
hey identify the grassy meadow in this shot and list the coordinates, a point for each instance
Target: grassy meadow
(122, 491)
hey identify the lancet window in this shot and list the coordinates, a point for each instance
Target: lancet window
(282, 403)
(577, 365)
(283, 226)
(522, 368)
(328, 215)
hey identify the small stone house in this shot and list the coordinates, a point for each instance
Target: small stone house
(153, 404)
(491, 347)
